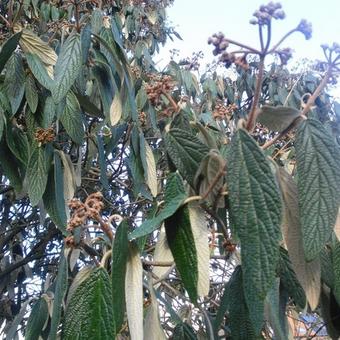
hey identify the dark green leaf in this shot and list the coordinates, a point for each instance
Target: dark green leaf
(67, 67)
(15, 81)
(184, 332)
(277, 118)
(239, 318)
(36, 320)
(61, 285)
(330, 313)
(71, 119)
(289, 279)
(85, 39)
(181, 243)
(318, 184)
(118, 271)
(336, 270)
(88, 106)
(89, 313)
(39, 71)
(31, 93)
(2, 122)
(255, 211)
(186, 152)
(174, 196)
(18, 143)
(36, 175)
(49, 112)
(102, 164)
(8, 48)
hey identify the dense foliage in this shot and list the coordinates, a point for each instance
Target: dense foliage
(146, 204)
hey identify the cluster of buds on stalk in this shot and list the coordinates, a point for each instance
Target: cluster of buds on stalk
(266, 13)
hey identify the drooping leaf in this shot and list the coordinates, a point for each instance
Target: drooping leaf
(149, 165)
(255, 212)
(49, 112)
(102, 164)
(15, 81)
(182, 244)
(289, 279)
(318, 185)
(277, 118)
(118, 272)
(330, 313)
(36, 175)
(152, 326)
(183, 331)
(174, 196)
(116, 109)
(36, 320)
(336, 270)
(87, 105)
(134, 293)
(61, 285)
(200, 233)
(17, 141)
(31, 93)
(186, 152)
(72, 120)
(239, 318)
(308, 273)
(89, 312)
(39, 71)
(67, 67)
(8, 48)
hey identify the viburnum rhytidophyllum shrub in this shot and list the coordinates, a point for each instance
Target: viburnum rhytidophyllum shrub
(148, 205)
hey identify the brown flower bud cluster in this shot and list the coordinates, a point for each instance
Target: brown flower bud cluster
(285, 54)
(142, 118)
(157, 86)
(44, 136)
(222, 111)
(229, 246)
(136, 71)
(90, 209)
(305, 28)
(263, 16)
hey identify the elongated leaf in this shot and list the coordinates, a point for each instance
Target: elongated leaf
(174, 196)
(102, 163)
(186, 151)
(308, 273)
(116, 109)
(255, 209)
(336, 226)
(200, 233)
(88, 106)
(18, 143)
(39, 71)
(68, 176)
(149, 167)
(37, 173)
(15, 81)
(49, 112)
(72, 120)
(152, 326)
(89, 312)
(59, 294)
(134, 290)
(336, 270)
(2, 122)
(182, 244)
(277, 118)
(162, 253)
(8, 48)
(36, 320)
(239, 318)
(330, 313)
(31, 93)
(318, 185)
(67, 67)
(53, 198)
(118, 272)
(183, 331)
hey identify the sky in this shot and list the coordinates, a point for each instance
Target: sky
(196, 20)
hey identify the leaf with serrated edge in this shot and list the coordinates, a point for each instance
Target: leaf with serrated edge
(318, 185)
(151, 175)
(134, 296)
(186, 152)
(277, 118)
(31, 93)
(162, 253)
(308, 273)
(116, 109)
(255, 212)
(36, 175)
(200, 232)
(89, 312)
(152, 326)
(67, 67)
(181, 242)
(174, 196)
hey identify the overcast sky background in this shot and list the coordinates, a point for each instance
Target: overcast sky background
(196, 20)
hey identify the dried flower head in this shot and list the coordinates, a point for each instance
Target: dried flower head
(157, 86)
(44, 136)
